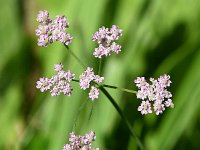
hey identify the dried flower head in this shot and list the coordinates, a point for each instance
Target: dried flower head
(105, 38)
(155, 93)
(58, 83)
(51, 31)
(85, 81)
(79, 142)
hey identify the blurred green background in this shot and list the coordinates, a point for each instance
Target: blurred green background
(158, 37)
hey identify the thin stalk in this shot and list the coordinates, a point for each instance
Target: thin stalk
(119, 88)
(75, 80)
(91, 112)
(100, 65)
(76, 57)
(112, 87)
(133, 133)
(78, 113)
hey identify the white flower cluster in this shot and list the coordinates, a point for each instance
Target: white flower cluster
(51, 31)
(105, 38)
(57, 83)
(86, 78)
(81, 142)
(155, 93)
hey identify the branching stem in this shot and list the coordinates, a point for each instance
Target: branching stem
(111, 99)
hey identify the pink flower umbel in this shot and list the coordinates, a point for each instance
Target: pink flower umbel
(81, 142)
(145, 108)
(58, 83)
(85, 80)
(51, 31)
(44, 84)
(94, 93)
(43, 17)
(105, 38)
(155, 93)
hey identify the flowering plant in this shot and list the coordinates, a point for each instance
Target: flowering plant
(152, 95)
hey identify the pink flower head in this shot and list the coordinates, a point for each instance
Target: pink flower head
(159, 107)
(44, 84)
(94, 93)
(145, 108)
(155, 93)
(80, 142)
(58, 83)
(51, 31)
(105, 38)
(43, 17)
(85, 81)
(58, 67)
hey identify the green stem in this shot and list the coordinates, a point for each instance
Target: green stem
(133, 134)
(100, 65)
(78, 113)
(112, 87)
(101, 87)
(75, 80)
(76, 57)
(91, 112)
(119, 88)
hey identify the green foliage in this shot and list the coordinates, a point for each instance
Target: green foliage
(158, 37)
